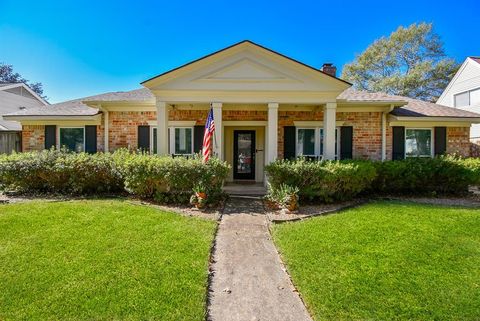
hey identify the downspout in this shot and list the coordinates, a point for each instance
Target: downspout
(105, 127)
(384, 132)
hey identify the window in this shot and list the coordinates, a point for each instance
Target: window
(467, 98)
(306, 142)
(418, 142)
(310, 142)
(462, 100)
(72, 138)
(181, 140)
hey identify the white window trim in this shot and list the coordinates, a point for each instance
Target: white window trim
(171, 138)
(317, 141)
(432, 142)
(59, 145)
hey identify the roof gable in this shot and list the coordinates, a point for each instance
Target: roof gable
(469, 69)
(246, 66)
(23, 90)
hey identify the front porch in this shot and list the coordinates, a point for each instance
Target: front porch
(247, 136)
(244, 188)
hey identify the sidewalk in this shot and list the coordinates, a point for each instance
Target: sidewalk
(249, 282)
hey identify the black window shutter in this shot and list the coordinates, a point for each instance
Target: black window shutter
(398, 146)
(154, 134)
(440, 137)
(91, 139)
(346, 142)
(144, 138)
(198, 132)
(289, 142)
(50, 136)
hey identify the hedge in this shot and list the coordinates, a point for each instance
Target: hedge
(53, 171)
(446, 175)
(165, 179)
(324, 181)
(172, 180)
(328, 181)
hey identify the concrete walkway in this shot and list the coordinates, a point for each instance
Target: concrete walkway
(249, 282)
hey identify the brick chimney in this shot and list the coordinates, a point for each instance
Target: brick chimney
(330, 69)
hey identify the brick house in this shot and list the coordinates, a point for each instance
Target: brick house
(265, 105)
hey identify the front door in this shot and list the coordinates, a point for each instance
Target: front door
(243, 154)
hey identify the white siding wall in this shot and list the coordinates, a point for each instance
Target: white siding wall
(10, 102)
(468, 78)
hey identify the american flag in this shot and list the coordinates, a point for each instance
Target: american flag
(207, 136)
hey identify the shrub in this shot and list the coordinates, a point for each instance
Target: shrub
(172, 180)
(440, 175)
(325, 181)
(54, 171)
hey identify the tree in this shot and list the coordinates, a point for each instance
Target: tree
(7, 75)
(410, 62)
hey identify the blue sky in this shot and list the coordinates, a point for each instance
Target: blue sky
(81, 48)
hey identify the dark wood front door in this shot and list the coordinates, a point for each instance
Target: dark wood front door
(243, 154)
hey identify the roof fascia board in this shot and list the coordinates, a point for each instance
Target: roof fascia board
(231, 50)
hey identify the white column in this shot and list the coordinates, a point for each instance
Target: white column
(162, 128)
(272, 132)
(218, 138)
(329, 121)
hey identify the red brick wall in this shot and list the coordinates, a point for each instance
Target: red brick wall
(367, 130)
(33, 137)
(458, 141)
(123, 127)
(286, 118)
(253, 115)
(367, 133)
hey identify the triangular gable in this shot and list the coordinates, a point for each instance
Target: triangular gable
(246, 66)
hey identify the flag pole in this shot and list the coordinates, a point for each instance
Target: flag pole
(214, 132)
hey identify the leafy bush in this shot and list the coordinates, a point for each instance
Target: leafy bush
(440, 175)
(165, 179)
(171, 180)
(62, 172)
(325, 181)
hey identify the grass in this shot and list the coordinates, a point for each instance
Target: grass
(387, 261)
(101, 260)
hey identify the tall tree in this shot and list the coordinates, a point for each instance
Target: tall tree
(7, 75)
(410, 62)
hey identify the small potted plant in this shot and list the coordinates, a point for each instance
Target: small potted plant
(199, 197)
(283, 197)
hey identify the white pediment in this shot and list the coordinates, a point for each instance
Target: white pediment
(246, 70)
(243, 70)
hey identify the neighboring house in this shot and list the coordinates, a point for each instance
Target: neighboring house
(266, 106)
(15, 97)
(463, 92)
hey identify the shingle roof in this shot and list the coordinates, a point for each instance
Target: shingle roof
(413, 107)
(476, 59)
(420, 108)
(365, 96)
(77, 107)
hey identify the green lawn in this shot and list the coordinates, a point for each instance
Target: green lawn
(101, 260)
(387, 261)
